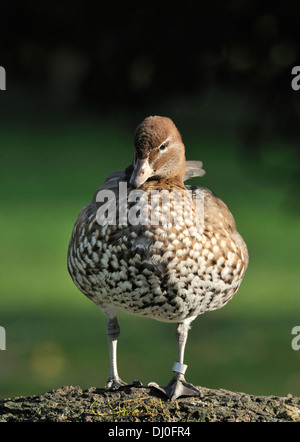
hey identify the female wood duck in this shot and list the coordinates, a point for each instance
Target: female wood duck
(172, 269)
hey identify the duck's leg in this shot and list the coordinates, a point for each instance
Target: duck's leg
(178, 386)
(113, 331)
(114, 381)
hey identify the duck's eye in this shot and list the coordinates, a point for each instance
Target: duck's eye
(163, 146)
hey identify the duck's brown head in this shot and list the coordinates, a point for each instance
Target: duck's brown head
(159, 151)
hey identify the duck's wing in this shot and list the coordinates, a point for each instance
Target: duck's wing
(193, 169)
(112, 180)
(216, 213)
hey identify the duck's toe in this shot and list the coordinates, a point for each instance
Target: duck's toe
(176, 387)
(117, 383)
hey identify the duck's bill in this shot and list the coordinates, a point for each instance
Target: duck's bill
(142, 171)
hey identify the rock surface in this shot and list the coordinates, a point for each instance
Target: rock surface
(143, 404)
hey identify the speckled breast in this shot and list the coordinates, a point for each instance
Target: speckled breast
(172, 264)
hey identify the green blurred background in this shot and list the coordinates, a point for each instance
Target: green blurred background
(80, 77)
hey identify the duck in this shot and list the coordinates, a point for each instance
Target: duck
(150, 245)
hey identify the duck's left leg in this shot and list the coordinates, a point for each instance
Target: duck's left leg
(178, 386)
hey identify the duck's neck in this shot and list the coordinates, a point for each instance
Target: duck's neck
(174, 181)
(170, 183)
(178, 176)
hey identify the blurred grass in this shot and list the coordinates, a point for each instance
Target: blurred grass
(56, 336)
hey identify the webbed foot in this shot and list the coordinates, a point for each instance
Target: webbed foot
(117, 383)
(176, 387)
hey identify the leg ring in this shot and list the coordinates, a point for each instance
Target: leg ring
(179, 368)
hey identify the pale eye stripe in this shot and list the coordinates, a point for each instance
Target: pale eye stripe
(166, 140)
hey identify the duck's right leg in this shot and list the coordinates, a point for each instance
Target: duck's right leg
(113, 331)
(114, 381)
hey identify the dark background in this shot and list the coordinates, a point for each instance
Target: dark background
(129, 58)
(80, 76)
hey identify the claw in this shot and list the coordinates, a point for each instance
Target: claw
(176, 387)
(117, 383)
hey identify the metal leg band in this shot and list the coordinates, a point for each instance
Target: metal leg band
(179, 368)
